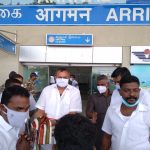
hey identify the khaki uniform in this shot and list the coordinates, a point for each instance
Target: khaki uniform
(30, 86)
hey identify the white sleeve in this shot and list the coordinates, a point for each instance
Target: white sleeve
(1, 145)
(4, 145)
(32, 102)
(146, 116)
(107, 127)
(75, 102)
(115, 98)
(145, 97)
(41, 101)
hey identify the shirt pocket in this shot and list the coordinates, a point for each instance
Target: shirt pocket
(66, 101)
(66, 108)
(66, 104)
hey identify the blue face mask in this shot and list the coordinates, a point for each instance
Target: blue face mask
(130, 105)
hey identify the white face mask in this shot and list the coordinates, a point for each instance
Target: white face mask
(17, 119)
(101, 89)
(61, 82)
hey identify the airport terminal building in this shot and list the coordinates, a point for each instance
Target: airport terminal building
(88, 37)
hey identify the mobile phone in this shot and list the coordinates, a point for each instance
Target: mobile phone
(28, 127)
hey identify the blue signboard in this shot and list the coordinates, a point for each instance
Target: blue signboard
(7, 45)
(86, 15)
(69, 39)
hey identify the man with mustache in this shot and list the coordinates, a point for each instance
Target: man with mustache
(127, 125)
(14, 110)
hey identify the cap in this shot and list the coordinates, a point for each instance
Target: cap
(33, 74)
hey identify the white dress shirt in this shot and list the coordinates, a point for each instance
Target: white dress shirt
(8, 135)
(128, 133)
(32, 102)
(56, 106)
(117, 99)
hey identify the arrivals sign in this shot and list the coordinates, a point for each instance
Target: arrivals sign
(75, 15)
(69, 39)
(7, 45)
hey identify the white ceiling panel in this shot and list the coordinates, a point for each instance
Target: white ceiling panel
(107, 55)
(69, 54)
(32, 53)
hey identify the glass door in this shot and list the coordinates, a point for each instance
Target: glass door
(42, 80)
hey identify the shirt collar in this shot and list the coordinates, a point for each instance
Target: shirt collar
(98, 94)
(4, 124)
(141, 107)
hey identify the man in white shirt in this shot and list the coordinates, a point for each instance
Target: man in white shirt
(117, 75)
(127, 125)
(59, 99)
(11, 82)
(14, 109)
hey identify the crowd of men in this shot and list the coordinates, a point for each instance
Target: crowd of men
(117, 120)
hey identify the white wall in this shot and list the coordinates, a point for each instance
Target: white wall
(8, 62)
(103, 36)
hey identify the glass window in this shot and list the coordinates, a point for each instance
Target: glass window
(42, 80)
(6, 2)
(22, 2)
(17, 2)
